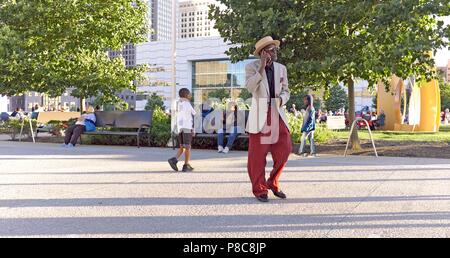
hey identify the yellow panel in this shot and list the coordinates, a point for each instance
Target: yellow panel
(430, 106)
(390, 102)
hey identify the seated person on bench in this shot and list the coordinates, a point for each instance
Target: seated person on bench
(381, 120)
(85, 123)
(232, 129)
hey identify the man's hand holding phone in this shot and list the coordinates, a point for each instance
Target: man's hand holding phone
(265, 60)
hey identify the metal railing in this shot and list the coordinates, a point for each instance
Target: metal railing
(370, 135)
(31, 128)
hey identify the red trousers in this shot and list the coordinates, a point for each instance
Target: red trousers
(259, 147)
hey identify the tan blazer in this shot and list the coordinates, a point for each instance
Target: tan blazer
(258, 85)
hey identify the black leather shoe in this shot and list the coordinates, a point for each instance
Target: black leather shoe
(173, 163)
(263, 198)
(279, 194)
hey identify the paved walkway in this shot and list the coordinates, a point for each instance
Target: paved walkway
(99, 191)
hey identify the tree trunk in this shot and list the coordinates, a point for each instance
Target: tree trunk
(82, 104)
(351, 114)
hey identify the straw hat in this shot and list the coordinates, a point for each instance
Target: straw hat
(264, 42)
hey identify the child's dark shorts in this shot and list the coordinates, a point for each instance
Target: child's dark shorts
(185, 138)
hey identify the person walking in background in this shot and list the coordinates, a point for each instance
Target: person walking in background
(231, 116)
(86, 123)
(308, 127)
(447, 116)
(267, 123)
(185, 127)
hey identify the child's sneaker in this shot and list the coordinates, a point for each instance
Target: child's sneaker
(187, 168)
(64, 145)
(173, 163)
(70, 145)
(303, 154)
(226, 150)
(313, 155)
(220, 149)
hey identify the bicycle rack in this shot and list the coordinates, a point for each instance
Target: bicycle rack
(31, 129)
(370, 135)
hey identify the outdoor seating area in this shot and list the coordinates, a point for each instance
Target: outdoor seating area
(123, 124)
(203, 119)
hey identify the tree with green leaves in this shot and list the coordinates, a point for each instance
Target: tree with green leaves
(329, 42)
(50, 46)
(154, 102)
(297, 100)
(221, 94)
(445, 92)
(337, 98)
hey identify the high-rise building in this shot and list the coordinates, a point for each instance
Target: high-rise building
(194, 21)
(160, 19)
(28, 100)
(4, 103)
(128, 53)
(447, 71)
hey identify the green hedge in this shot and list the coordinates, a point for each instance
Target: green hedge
(160, 135)
(321, 135)
(12, 127)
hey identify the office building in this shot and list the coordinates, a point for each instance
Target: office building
(27, 101)
(447, 71)
(128, 53)
(160, 19)
(194, 21)
(4, 103)
(202, 66)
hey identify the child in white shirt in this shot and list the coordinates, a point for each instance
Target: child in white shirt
(185, 126)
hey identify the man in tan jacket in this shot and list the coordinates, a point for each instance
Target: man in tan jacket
(267, 124)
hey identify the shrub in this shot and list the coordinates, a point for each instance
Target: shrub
(13, 126)
(161, 128)
(154, 101)
(211, 143)
(321, 135)
(57, 128)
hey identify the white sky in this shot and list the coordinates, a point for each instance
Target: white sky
(443, 55)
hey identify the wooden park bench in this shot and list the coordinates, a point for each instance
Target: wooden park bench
(204, 134)
(132, 123)
(43, 118)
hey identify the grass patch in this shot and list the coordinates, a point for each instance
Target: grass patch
(442, 136)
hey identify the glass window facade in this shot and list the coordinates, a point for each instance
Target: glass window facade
(217, 78)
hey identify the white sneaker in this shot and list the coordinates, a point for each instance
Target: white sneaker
(220, 149)
(226, 150)
(64, 145)
(313, 155)
(70, 145)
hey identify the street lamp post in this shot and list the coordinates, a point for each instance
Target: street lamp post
(174, 60)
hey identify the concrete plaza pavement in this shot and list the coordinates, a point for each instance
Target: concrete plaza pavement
(104, 191)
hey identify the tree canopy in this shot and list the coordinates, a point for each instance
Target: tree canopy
(331, 41)
(337, 99)
(328, 42)
(50, 46)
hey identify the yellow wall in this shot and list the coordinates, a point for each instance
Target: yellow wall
(389, 102)
(430, 106)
